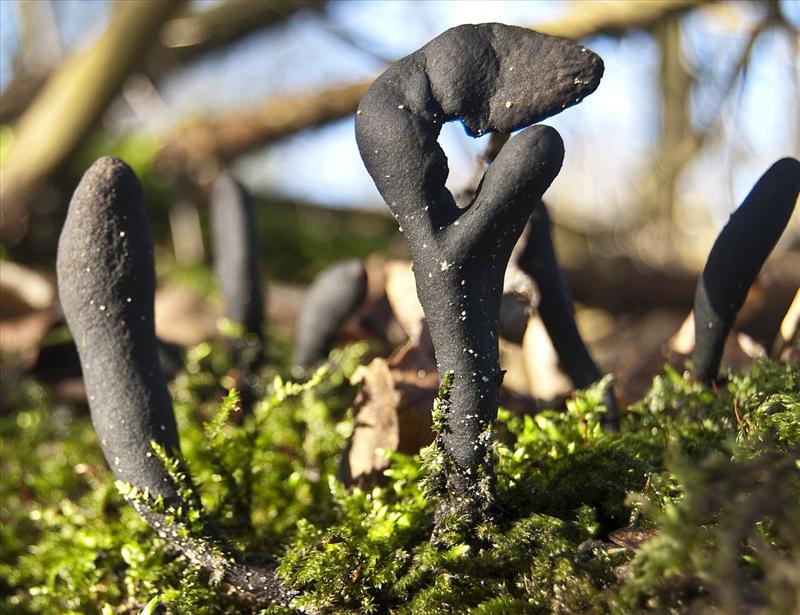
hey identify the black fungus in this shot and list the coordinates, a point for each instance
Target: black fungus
(494, 78)
(333, 296)
(106, 285)
(538, 260)
(236, 259)
(736, 258)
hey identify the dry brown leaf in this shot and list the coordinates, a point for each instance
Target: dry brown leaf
(787, 342)
(512, 360)
(392, 411)
(683, 341)
(631, 537)
(401, 289)
(26, 307)
(183, 316)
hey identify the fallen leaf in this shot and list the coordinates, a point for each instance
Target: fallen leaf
(787, 342)
(183, 316)
(631, 537)
(27, 307)
(545, 378)
(392, 411)
(401, 290)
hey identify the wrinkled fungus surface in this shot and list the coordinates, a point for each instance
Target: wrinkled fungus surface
(492, 77)
(106, 285)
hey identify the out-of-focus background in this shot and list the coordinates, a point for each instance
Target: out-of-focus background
(698, 99)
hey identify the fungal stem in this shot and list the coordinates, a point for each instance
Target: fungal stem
(236, 265)
(538, 259)
(106, 284)
(736, 257)
(460, 254)
(334, 295)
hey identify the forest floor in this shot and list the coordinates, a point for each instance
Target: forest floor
(694, 505)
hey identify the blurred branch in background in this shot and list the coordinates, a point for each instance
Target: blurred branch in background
(357, 42)
(190, 35)
(59, 120)
(66, 103)
(184, 38)
(39, 51)
(231, 134)
(72, 101)
(679, 140)
(614, 17)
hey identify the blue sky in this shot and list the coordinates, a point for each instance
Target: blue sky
(609, 137)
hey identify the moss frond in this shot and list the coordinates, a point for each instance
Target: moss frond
(709, 482)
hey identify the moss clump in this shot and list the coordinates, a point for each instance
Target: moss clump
(714, 478)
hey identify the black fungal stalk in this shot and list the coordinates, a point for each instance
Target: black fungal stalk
(236, 261)
(735, 260)
(333, 296)
(538, 260)
(106, 284)
(494, 78)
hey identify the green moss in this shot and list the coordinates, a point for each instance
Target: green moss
(433, 458)
(716, 476)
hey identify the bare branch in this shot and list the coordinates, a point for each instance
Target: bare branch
(613, 17)
(233, 134)
(184, 38)
(75, 97)
(72, 101)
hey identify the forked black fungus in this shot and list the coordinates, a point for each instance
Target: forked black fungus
(494, 78)
(538, 259)
(236, 262)
(106, 284)
(333, 296)
(735, 260)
